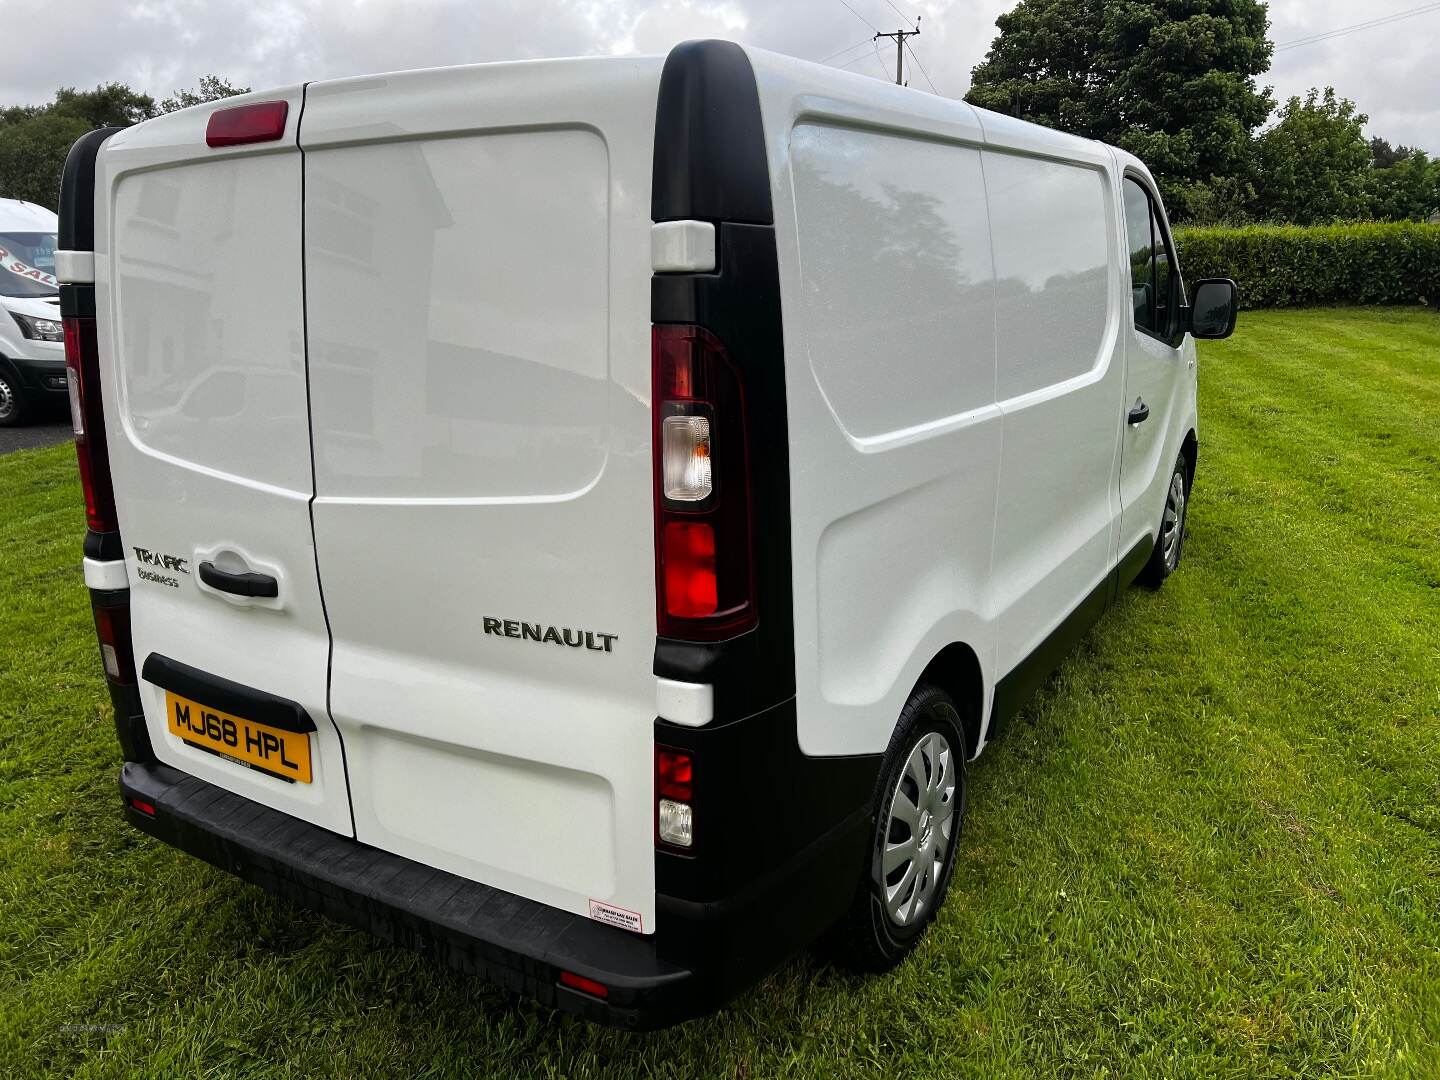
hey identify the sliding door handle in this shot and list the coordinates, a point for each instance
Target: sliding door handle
(1138, 415)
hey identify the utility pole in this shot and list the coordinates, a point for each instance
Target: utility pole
(900, 36)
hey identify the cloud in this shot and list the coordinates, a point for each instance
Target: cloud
(1388, 71)
(162, 45)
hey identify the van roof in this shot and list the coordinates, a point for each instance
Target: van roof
(16, 215)
(803, 85)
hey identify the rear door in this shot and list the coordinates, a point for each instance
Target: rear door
(478, 268)
(200, 315)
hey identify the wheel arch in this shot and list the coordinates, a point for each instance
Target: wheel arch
(8, 367)
(956, 670)
(1190, 447)
(19, 387)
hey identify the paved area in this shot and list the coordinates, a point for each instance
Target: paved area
(45, 431)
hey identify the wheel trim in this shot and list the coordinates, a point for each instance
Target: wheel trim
(7, 399)
(1172, 527)
(920, 822)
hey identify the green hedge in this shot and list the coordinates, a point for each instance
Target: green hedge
(1286, 265)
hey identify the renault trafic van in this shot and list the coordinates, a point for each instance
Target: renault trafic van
(579, 518)
(32, 350)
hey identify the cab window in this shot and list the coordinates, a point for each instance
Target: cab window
(1154, 285)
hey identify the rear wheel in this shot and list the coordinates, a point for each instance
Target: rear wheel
(1170, 540)
(12, 404)
(918, 808)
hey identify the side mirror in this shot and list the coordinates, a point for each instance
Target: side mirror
(1214, 305)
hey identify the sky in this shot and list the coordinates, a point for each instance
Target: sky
(1390, 70)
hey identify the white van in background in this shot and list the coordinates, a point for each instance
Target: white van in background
(32, 347)
(578, 518)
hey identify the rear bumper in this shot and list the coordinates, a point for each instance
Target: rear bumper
(702, 955)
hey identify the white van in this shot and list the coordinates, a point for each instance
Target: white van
(580, 517)
(32, 347)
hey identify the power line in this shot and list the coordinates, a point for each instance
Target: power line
(880, 61)
(862, 18)
(875, 55)
(1379, 21)
(897, 11)
(848, 48)
(1382, 20)
(921, 67)
(866, 56)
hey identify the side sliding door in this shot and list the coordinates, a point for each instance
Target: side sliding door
(1059, 382)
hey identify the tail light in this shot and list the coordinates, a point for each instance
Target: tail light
(674, 798)
(82, 362)
(112, 627)
(705, 582)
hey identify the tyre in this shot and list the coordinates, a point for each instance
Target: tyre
(1170, 539)
(917, 811)
(12, 401)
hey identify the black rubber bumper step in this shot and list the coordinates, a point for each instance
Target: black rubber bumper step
(518, 944)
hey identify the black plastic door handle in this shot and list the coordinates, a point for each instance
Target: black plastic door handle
(1138, 415)
(246, 584)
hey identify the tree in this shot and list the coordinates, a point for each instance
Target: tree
(32, 153)
(1045, 65)
(1407, 190)
(212, 88)
(1383, 155)
(34, 139)
(111, 105)
(1172, 81)
(1312, 163)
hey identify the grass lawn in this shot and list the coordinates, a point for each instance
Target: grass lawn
(1210, 848)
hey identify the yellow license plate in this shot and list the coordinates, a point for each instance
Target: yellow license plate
(280, 753)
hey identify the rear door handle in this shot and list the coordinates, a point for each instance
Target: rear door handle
(244, 584)
(1138, 415)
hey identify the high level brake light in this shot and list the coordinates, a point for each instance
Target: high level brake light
(703, 543)
(259, 121)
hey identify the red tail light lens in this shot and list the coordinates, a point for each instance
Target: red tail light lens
(674, 774)
(689, 560)
(703, 542)
(82, 363)
(117, 651)
(261, 121)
